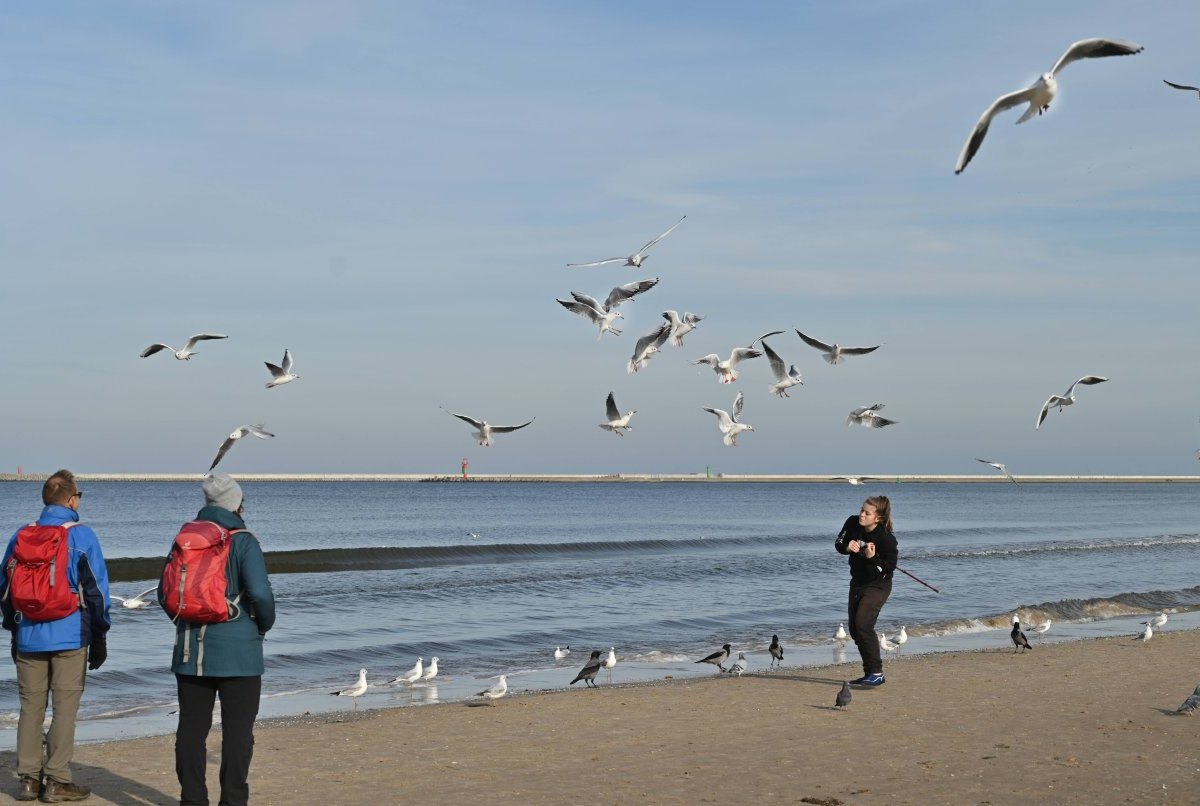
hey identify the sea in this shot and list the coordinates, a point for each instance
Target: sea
(492, 577)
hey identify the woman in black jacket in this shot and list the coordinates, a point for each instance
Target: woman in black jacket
(873, 553)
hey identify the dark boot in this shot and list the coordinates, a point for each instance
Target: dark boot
(57, 792)
(29, 788)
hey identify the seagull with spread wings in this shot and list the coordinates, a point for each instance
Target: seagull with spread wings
(834, 353)
(785, 378)
(617, 423)
(999, 466)
(649, 346)
(724, 369)
(1041, 92)
(188, 350)
(729, 423)
(484, 430)
(283, 373)
(241, 431)
(1187, 87)
(603, 314)
(1067, 399)
(635, 259)
(135, 602)
(868, 417)
(681, 327)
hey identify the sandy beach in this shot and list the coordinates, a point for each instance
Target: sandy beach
(1079, 722)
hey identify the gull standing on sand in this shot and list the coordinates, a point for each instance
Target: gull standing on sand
(887, 646)
(776, 650)
(1187, 87)
(188, 349)
(868, 417)
(717, 658)
(241, 431)
(785, 378)
(901, 638)
(681, 327)
(1041, 629)
(610, 662)
(560, 653)
(1041, 92)
(355, 691)
(648, 346)
(431, 670)
(1018, 638)
(724, 369)
(617, 423)
(999, 466)
(635, 259)
(135, 602)
(484, 430)
(589, 671)
(729, 424)
(1068, 399)
(740, 665)
(834, 353)
(1146, 634)
(412, 675)
(843, 696)
(497, 691)
(283, 373)
(1191, 704)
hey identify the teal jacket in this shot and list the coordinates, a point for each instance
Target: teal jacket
(231, 648)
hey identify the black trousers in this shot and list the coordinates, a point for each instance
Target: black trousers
(239, 709)
(865, 603)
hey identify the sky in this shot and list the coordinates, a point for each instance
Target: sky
(392, 191)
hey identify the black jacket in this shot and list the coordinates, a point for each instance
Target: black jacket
(878, 569)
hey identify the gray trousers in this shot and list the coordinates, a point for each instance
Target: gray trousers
(40, 674)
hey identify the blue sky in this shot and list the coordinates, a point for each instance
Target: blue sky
(392, 191)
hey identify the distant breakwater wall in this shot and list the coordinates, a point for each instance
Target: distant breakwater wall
(614, 477)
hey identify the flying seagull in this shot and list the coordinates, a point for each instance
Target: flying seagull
(188, 349)
(853, 480)
(635, 259)
(648, 346)
(355, 691)
(283, 373)
(729, 424)
(724, 369)
(484, 430)
(843, 696)
(617, 423)
(776, 650)
(681, 327)
(834, 353)
(999, 466)
(1182, 87)
(241, 431)
(1041, 92)
(717, 658)
(785, 378)
(603, 314)
(1018, 638)
(1068, 399)
(135, 602)
(589, 671)
(1191, 704)
(868, 417)
(497, 691)
(601, 318)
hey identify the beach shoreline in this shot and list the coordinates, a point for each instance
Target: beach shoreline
(1077, 722)
(667, 478)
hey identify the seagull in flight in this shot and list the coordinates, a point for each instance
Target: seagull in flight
(484, 430)
(834, 353)
(729, 424)
(785, 378)
(355, 691)
(999, 466)
(241, 431)
(648, 346)
(635, 259)
(1067, 399)
(1182, 87)
(854, 480)
(135, 602)
(188, 350)
(497, 691)
(617, 423)
(681, 327)
(283, 373)
(1041, 92)
(868, 417)
(603, 314)
(724, 369)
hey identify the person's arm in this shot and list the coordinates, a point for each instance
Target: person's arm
(887, 553)
(256, 586)
(93, 582)
(845, 536)
(10, 614)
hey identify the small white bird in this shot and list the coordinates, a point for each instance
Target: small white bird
(1191, 704)
(724, 369)
(355, 691)
(834, 353)
(635, 259)
(135, 602)
(1146, 634)
(599, 317)
(840, 636)
(412, 675)
(681, 327)
(854, 480)
(497, 691)
(740, 665)
(901, 638)
(785, 378)
(484, 430)
(1041, 92)
(730, 425)
(617, 423)
(886, 645)
(283, 373)
(241, 431)
(999, 466)
(1041, 629)
(649, 346)
(431, 670)
(603, 314)
(560, 653)
(1068, 399)
(1157, 621)
(610, 662)
(188, 349)
(868, 417)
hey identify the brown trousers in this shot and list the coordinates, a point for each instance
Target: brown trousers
(39, 674)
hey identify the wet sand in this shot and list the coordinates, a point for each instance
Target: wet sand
(1081, 722)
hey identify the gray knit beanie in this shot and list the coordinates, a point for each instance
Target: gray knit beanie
(220, 490)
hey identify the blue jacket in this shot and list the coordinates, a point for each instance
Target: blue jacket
(231, 648)
(86, 573)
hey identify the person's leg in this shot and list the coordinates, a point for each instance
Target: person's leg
(239, 709)
(868, 613)
(856, 595)
(33, 685)
(196, 697)
(68, 671)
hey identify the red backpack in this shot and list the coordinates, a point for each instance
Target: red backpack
(37, 573)
(194, 581)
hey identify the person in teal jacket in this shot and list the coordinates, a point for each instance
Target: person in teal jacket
(224, 659)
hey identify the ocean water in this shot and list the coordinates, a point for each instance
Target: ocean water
(490, 577)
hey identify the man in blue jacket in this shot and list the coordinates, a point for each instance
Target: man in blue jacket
(52, 657)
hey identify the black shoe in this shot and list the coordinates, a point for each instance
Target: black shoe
(58, 792)
(29, 788)
(858, 680)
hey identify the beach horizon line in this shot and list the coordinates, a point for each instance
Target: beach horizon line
(879, 478)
